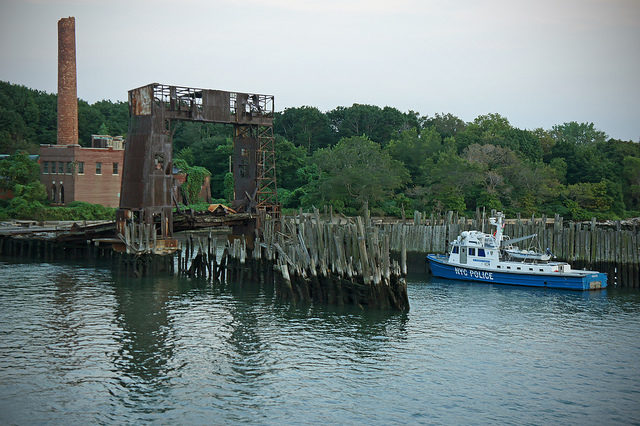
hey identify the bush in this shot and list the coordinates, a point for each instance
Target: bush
(21, 208)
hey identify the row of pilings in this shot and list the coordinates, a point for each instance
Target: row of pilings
(611, 247)
(29, 248)
(309, 260)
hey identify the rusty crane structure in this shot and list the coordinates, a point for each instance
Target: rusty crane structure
(147, 194)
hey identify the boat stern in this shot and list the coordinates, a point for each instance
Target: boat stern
(595, 281)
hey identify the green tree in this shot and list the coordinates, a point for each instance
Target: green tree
(448, 125)
(89, 121)
(354, 171)
(450, 182)
(103, 129)
(577, 133)
(601, 199)
(116, 115)
(18, 169)
(413, 149)
(379, 125)
(305, 126)
(289, 160)
(213, 154)
(631, 174)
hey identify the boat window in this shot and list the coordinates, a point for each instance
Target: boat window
(508, 267)
(455, 249)
(541, 270)
(499, 266)
(481, 252)
(472, 251)
(519, 268)
(531, 269)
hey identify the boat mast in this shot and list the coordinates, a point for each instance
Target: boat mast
(498, 223)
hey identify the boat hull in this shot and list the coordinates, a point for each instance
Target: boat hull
(575, 280)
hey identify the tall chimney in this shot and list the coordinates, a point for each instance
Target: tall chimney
(67, 88)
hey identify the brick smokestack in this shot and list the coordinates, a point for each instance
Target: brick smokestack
(67, 88)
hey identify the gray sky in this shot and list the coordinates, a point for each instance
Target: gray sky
(537, 62)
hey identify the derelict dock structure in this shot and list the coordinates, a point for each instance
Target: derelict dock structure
(148, 194)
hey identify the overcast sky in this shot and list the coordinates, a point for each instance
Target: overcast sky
(536, 62)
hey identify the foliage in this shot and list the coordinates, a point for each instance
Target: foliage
(378, 124)
(229, 187)
(631, 174)
(577, 133)
(305, 127)
(18, 169)
(357, 170)
(290, 159)
(20, 208)
(206, 145)
(196, 176)
(412, 148)
(447, 125)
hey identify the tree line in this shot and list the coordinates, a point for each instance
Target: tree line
(393, 160)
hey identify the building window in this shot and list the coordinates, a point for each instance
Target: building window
(69, 167)
(98, 168)
(115, 168)
(60, 167)
(80, 167)
(45, 168)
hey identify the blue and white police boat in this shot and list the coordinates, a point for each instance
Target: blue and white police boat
(493, 258)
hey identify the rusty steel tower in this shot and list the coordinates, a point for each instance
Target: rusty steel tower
(147, 195)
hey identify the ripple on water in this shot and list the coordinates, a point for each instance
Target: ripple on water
(85, 345)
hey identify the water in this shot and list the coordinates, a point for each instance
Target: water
(82, 345)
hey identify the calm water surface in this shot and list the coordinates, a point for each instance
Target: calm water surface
(81, 345)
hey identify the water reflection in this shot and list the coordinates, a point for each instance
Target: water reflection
(63, 322)
(144, 335)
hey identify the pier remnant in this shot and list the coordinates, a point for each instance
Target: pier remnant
(148, 196)
(309, 260)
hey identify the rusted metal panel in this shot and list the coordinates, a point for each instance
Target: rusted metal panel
(245, 149)
(147, 173)
(216, 105)
(140, 100)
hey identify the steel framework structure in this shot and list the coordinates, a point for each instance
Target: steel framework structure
(147, 182)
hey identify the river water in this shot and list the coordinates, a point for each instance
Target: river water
(83, 345)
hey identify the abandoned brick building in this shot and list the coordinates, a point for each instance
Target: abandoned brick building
(69, 171)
